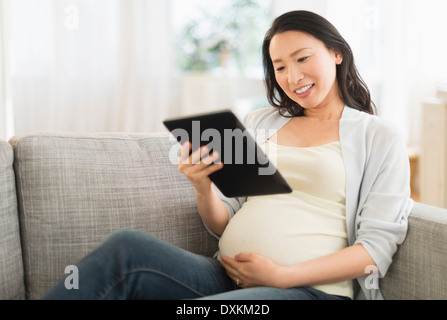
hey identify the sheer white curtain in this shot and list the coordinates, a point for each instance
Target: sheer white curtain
(84, 66)
(399, 47)
(6, 121)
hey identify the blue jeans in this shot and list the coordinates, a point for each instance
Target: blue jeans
(135, 265)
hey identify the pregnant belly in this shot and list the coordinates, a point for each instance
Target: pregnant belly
(287, 233)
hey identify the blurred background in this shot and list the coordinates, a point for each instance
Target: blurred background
(126, 65)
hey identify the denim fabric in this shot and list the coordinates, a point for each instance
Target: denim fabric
(132, 264)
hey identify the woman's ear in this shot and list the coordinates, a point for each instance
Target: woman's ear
(338, 57)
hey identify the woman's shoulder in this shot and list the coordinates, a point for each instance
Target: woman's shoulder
(377, 136)
(264, 118)
(373, 125)
(254, 117)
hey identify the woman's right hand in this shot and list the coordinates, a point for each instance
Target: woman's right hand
(198, 166)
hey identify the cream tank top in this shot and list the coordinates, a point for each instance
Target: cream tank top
(306, 224)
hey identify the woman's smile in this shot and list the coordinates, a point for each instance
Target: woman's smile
(305, 91)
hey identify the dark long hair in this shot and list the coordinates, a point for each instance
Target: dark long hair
(353, 90)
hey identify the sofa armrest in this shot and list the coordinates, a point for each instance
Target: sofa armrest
(11, 265)
(418, 268)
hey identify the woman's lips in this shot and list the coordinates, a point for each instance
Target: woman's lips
(304, 91)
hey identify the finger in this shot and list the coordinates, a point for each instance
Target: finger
(210, 158)
(209, 169)
(199, 172)
(229, 264)
(232, 272)
(193, 166)
(204, 155)
(197, 155)
(243, 257)
(185, 152)
(187, 156)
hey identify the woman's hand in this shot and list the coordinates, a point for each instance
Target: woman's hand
(253, 270)
(198, 166)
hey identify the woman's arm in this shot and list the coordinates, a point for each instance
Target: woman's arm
(213, 211)
(346, 264)
(197, 167)
(255, 270)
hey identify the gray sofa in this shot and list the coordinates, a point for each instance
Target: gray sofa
(62, 194)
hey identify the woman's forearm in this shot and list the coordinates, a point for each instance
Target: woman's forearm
(346, 264)
(213, 211)
(197, 166)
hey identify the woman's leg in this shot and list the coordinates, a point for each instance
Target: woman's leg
(135, 265)
(267, 293)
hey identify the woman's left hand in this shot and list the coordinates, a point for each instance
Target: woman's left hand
(252, 270)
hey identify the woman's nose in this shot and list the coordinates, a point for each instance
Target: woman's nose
(295, 75)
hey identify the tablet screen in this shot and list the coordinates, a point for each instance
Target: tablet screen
(247, 171)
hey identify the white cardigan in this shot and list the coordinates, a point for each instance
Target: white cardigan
(377, 185)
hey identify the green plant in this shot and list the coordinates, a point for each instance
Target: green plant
(229, 36)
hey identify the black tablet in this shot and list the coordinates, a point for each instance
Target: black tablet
(247, 171)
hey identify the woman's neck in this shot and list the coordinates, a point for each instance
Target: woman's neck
(333, 113)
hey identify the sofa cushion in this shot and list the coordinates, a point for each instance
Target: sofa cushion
(75, 190)
(418, 268)
(11, 265)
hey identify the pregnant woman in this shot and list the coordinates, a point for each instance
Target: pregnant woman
(347, 213)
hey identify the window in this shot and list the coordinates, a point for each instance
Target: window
(220, 37)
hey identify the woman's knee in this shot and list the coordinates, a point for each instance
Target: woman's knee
(127, 239)
(125, 236)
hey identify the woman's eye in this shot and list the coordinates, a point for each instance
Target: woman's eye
(280, 69)
(304, 59)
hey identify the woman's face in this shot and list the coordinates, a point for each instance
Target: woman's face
(305, 69)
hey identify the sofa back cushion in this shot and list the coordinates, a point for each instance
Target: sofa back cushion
(11, 265)
(75, 190)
